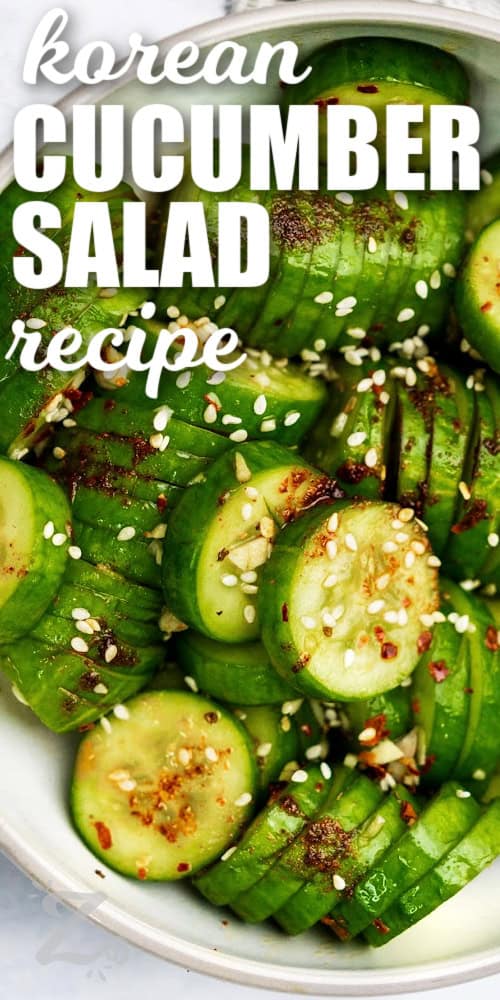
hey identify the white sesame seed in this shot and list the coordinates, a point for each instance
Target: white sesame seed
(371, 458)
(349, 302)
(350, 542)
(324, 298)
(121, 712)
(449, 270)
(411, 377)
(349, 657)
(249, 577)
(372, 244)
(418, 548)
(229, 419)
(84, 627)
(461, 793)
(350, 760)
(229, 580)
(291, 707)
(379, 377)
(264, 749)
(162, 417)
(493, 539)
(268, 425)
(468, 585)
(183, 380)
(333, 522)
(110, 653)
(364, 385)
(249, 614)
(331, 548)
(260, 405)
(35, 324)
(406, 514)
(435, 280)
(191, 683)
(126, 534)
(422, 289)
(391, 617)
(434, 561)
(210, 414)
(59, 539)
(326, 771)
(106, 725)
(338, 425)
(401, 200)
(227, 854)
(243, 800)
(479, 775)
(308, 622)
(338, 882)
(388, 547)
(344, 197)
(241, 469)
(330, 581)
(375, 606)
(405, 314)
(48, 530)
(464, 490)
(291, 418)
(462, 624)
(252, 493)
(367, 734)
(314, 752)
(108, 293)
(80, 614)
(382, 581)
(74, 552)
(356, 439)
(409, 559)
(219, 301)
(211, 754)
(402, 616)
(238, 436)
(79, 645)
(299, 776)
(184, 756)
(356, 332)
(246, 511)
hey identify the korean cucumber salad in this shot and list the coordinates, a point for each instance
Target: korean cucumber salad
(267, 598)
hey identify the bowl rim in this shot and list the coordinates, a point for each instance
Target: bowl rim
(23, 853)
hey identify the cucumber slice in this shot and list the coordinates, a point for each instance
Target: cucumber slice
(477, 850)
(274, 747)
(441, 826)
(359, 851)
(271, 831)
(101, 607)
(257, 396)
(167, 789)
(135, 559)
(211, 578)
(66, 689)
(441, 695)
(477, 298)
(34, 520)
(316, 850)
(377, 72)
(61, 633)
(389, 714)
(484, 205)
(327, 636)
(115, 510)
(140, 602)
(232, 673)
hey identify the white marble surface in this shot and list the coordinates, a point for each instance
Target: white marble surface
(46, 950)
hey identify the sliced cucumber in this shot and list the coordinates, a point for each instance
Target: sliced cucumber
(35, 528)
(478, 849)
(484, 205)
(388, 714)
(359, 851)
(211, 578)
(327, 590)
(232, 673)
(318, 849)
(116, 510)
(167, 789)
(478, 298)
(271, 831)
(130, 556)
(274, 746)
(138, 602)
(441, 826)
(108, 611)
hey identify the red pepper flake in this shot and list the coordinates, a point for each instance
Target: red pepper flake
(379, 724)
(429, 761)
(389, 651)
(208, 398)
(491, 640)
(211, 717)
(284, 612)
(336, 927)
(86, 727)
(407, 813)
(367, 88)
(306, 729)
(221, 555)
(183, 866)
(379, 924)
(423, 642)
(415, 706)
(103, 835)
(379, 633)
(142, 873)
(486, 306)
(161, 503)
(438, 670)
(99, 873)
(469, 690)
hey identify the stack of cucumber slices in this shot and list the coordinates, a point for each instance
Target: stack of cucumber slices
(267, 596)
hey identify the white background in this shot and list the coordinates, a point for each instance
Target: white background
(47, 951)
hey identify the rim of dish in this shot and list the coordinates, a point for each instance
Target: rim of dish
(114, 918)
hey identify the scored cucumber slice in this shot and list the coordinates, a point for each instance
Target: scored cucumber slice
(241, 672)
(341, 599)
(477, 850)
(483, 206)
(477, 298)
(167, 789)
(362, 848)
(35, 524)
(138, 602)
(271, 831)
(441, 825)
(317, 849)
(274, 747)
(211, 577)
(132, 556)
(377, 72)
(110, 613)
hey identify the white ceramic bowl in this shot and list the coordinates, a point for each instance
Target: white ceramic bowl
(459, 942)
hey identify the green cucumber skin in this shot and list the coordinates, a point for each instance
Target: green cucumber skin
(263, 724)
(58, 685)
(182, 554)
(133, 559)
(484, 205)
(440, 827)
(347, 808)
(139, 602)
(365, 59)
(57, 633)
(490, 571)
(480, 326)
(239, 673)
(394, 706)
(113, 623)
(415, 435)
(271, 831)
(370, 841)
(478, 849)
(41, 577)
(101, 606)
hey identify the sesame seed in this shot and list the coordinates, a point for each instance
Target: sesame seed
(229, 419)
(110, 653)
(324, 298)
(464, 490)
(299, 776)
(291, 707)
(349, 657)
(422, 289)
(367, 734)
(391, 617)
(364, 385)
(418, 548)
(106, 725)
(409, 559)
(246, 511)
(162, 417)
(59, 539)
(401, 200)
(371, 458)
(219, 301)
(264, 749)
(241, 469)
(372, 244)
(122, 712)
(375, 606)
(435, 280)
(449, 270)
(126, 534)
(35, 324)
(338, 425)
(308, 622)
(108, 293)
(268, 425)
(85, 628)
(156, 440)
(388, 547)
(69, 422)
(229, 580)
(243, 800)
(183, 380)
(330, 581)
(406, 514)
(462, 624)
(79, 645)
(59, 453)
(285, 724)
(326, 771)
(411, 377)
(402, 617)
(379, 377)
(291, 418)
(314, 752)
(210, 414)
(461, 793)
(238, 436)
(344, 197)
(211, 754)
(382, 581)
(434, 561)
(406, 683)
(249, 614)
(356, 332)
(227, 854)
(493, 539)
(48, 530)
(260, 405)
(338, 882)
(356, 439)
(191, 683)
(349, 302)
(331, 549)
(423, 330)
(351, 542)
(479, 775)
(80, 614)
(405, 314)
(470, 584)
(184, 756)
(384, 398)
(350, 760)
(249, 577)
(74, 552)
(333, 522)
